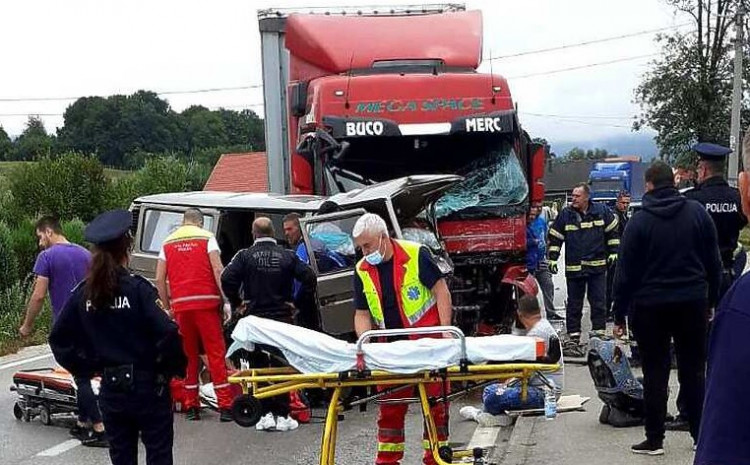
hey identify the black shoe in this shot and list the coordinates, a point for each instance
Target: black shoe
(680, 423)
(573, 348)
(80, 432)
(648, 448)
(96, 439)
(225, 415)
(193, 414)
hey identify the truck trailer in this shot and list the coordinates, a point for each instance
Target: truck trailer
(612, 175)
(358, 96)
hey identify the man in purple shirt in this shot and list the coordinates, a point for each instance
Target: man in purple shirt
(59, 267)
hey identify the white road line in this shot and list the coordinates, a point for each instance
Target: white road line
(24, 361)
(60, 448)
(484, 437)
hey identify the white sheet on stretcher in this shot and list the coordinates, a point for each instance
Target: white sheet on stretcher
(313, 352)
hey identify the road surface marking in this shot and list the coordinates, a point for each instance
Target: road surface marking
(60, 448)
(484, 437)
(24, 361)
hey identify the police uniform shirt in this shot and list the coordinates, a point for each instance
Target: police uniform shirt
(722, 202)
(85, 340)
(429, 275)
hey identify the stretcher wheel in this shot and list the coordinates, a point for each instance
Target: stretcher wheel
(17, 411)
(45, 416)
(445, 453)
(246, 410)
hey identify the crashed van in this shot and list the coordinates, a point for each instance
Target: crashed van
(405, 204)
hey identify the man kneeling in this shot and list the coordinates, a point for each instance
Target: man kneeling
(498, 398)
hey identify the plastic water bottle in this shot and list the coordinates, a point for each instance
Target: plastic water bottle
(550, 405)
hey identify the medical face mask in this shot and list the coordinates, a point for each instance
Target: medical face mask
(376, 257)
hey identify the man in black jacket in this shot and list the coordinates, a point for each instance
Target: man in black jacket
(668, 276)
(265, 274)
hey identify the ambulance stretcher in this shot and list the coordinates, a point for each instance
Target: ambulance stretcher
(46, 392)
(319, 361)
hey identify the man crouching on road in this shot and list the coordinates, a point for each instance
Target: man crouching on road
(399, 285)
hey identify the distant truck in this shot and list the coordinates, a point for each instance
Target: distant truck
(607, 178)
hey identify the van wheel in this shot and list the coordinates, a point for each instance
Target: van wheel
(17, 411)
(45, 416)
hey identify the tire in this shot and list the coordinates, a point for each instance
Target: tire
(446, 453)
(45, 416)
(246, 410)
(17, 411)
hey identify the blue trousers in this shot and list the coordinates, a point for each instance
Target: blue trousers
(88, 408)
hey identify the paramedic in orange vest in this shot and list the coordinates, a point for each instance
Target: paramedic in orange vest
(190, 261)
(398, 285)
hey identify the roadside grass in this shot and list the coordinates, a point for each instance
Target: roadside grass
(12, 310)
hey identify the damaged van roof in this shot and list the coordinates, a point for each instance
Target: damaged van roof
(234, 200)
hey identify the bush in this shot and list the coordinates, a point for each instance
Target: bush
(12, 310)
(73, 231)
(25, 246)
(70, 186)
(8, 261)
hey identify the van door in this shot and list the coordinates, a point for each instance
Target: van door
(155, 223)
(333, 258)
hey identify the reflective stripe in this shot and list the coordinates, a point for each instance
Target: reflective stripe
(598, 222)
(391, 432)
(557, 234)
(573, 268)
(554, 248)
(390, 447)
(612, 225)
(426, 444)
(587, 225)
(195, 297)
(190, 386)
(594, 262)
(613, 242)
(222, 386)
(571, 227)
(422, 311)
(737, 251)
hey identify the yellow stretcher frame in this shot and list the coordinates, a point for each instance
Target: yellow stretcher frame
(263, 383)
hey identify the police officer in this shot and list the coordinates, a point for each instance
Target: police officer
(114, 325)
(266, 272)
(722, 203)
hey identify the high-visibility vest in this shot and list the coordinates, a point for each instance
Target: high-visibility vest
(416, 302)
(192, 285)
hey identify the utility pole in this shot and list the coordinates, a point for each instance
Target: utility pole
(734, 136)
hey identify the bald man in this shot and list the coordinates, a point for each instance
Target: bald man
(266, 273)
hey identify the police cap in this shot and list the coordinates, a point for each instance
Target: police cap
(108, 226)
(709, 151)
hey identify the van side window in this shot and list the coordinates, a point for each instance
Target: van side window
(159, 224)
(332, 244)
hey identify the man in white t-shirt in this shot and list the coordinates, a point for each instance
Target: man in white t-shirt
(498, 398)
(190, 260)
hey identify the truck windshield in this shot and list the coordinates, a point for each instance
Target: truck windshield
(606, 185)
(494, 180)
(493, 174)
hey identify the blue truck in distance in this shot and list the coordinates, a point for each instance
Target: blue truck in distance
(611, 175)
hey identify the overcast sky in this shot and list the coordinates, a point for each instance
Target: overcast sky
(72, 48)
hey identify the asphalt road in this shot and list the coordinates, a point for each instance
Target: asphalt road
(207, 441)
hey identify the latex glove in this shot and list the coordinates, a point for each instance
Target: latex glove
(612, 258)
(552, 266)
(227, 313)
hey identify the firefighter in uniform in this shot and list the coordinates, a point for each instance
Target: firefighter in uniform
(114, 325)
(621, 212)
(398, 285)
(722, 203)
(589, 231)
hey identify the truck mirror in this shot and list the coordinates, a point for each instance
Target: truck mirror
(298, 99)
(537, 160)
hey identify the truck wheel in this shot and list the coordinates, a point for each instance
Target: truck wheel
(17, 411)
(246, 410)
(45, 416)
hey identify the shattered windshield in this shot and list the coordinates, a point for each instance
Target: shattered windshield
(493, 180)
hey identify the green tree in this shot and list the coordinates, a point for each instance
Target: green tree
(244, 128)
(203, 128)
(686, 95)
(34, 143)
(6, 146)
